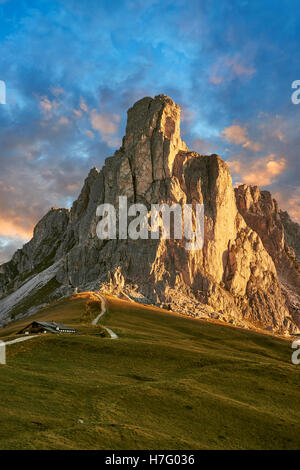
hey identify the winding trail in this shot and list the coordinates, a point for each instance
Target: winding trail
(3, 345)
(111, 333)
(103, 308)
(19, 340)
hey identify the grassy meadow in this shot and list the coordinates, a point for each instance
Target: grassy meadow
(168, 382)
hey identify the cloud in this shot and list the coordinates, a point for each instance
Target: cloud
(57, 90)
(72, 187)
(262, 172)
(47, 105)
(111, 141)
(229, 68)
(223, 64)
(64, 121)
(8, 247)
(77, 113)
(14, 228)
(107, 126)
(238, 135)
(202, 146)
(83, 105)
(274, 126)
(288, 199)
(90, 133)
(235, 134)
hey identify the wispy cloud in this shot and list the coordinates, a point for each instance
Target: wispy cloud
(289, 200)
(107, 126)
(262, 172)
(229, 68)
(238, 135)
(70, 83)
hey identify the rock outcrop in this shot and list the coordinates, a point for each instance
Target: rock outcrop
(234, 277)
(280, 237)
(36, 255)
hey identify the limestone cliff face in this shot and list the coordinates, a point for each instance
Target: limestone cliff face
(233, 278)
(38, 254)
(280, 237)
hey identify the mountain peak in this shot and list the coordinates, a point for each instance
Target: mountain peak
(160, 113)
(243, 274)
(152, 140)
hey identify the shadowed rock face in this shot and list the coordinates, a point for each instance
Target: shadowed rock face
(232, 278)
(39, 253)
(280, 237)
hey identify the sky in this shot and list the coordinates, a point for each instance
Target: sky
(73, 68)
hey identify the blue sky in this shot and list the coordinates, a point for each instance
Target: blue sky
(72, 69)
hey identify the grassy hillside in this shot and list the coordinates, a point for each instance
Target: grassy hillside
(167, 382)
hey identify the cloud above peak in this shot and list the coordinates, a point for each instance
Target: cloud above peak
(72, 72)
(107, 126)
(230, 68)
(262, 171)
(238, 135)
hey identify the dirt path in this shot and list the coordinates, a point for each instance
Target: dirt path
(4, 344)
(19, 340)
(111, 333)
(103, 309)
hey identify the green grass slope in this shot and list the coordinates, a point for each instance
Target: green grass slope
(167, 382)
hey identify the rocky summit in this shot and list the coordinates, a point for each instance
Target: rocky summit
(247, 274)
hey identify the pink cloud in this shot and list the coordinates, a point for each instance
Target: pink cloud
(64, 121)
(13, 228)
(89, 133)
(202, 146)
(77, 113)
(238, 135)
(274, 126)
(57, 90)
(107, 126)
(83, 106)
(289, 200)
(261, 172)
(104, 123)
(228, 68)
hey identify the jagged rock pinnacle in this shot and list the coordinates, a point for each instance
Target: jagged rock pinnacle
(233, 278)
(152, 140)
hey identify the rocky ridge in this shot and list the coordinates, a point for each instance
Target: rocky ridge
(237, 277)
